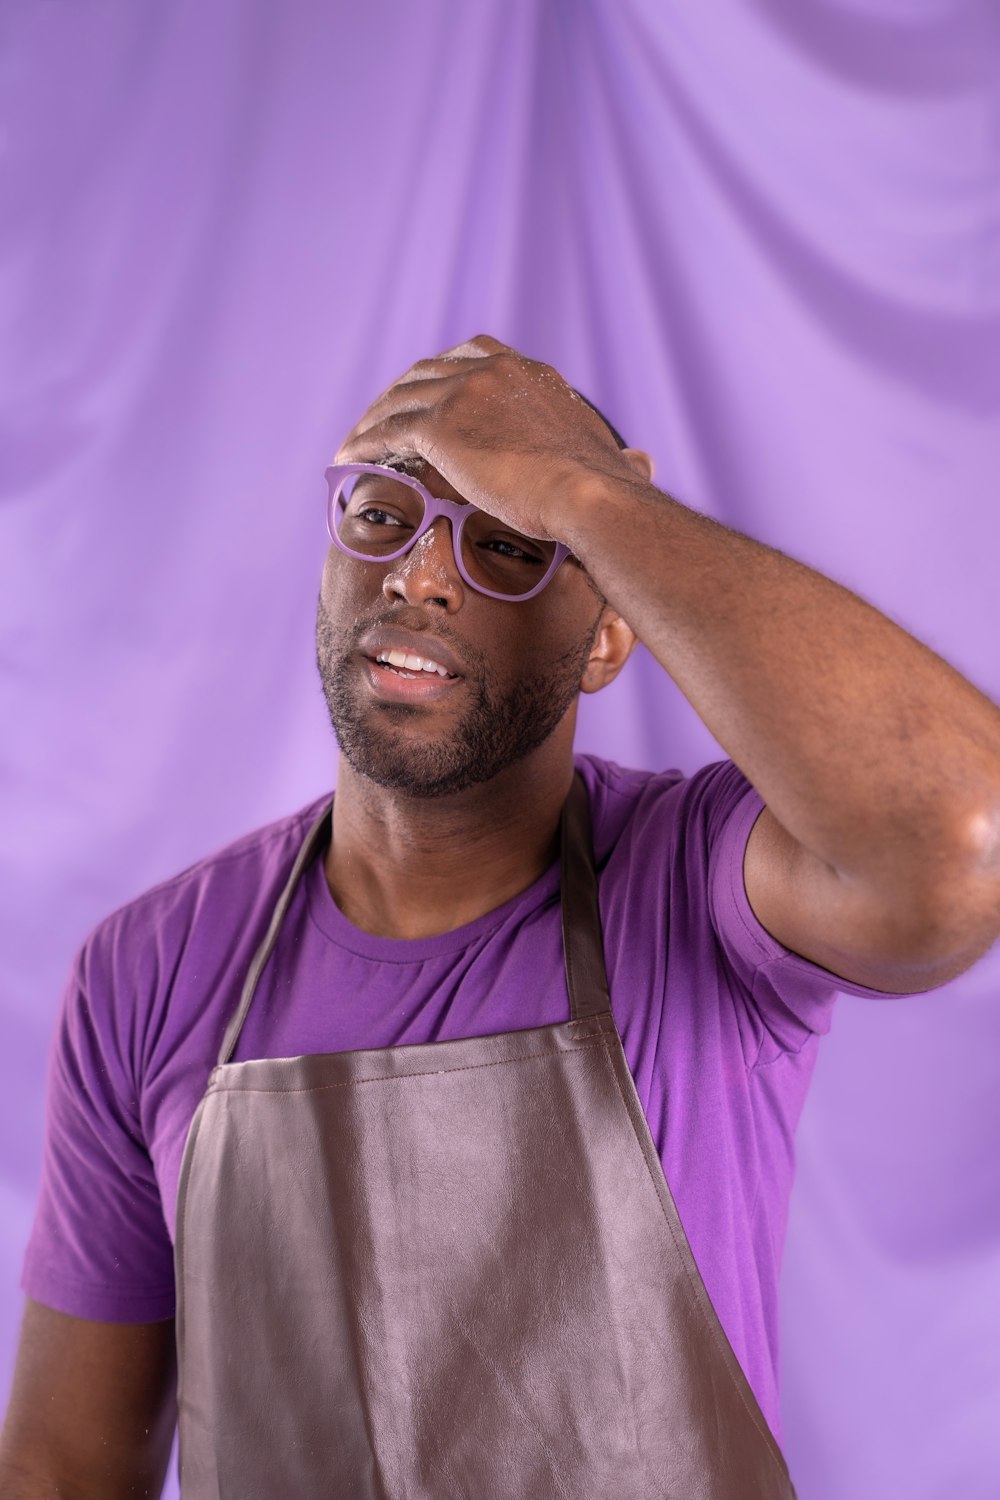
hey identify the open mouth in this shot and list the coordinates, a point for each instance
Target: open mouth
(407, 665)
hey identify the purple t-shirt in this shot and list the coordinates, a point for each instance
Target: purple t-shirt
(719, 1023)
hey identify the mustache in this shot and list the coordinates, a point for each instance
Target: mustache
(416, 621)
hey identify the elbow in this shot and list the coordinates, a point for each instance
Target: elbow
(955, 919)
(979, 838)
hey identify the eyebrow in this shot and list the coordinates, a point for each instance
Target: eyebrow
(415, 468)
(412, 466)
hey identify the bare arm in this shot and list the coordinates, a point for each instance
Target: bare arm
(877, 855)
(92, 1411)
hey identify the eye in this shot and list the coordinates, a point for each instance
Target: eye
(504, 548)
(376, 517)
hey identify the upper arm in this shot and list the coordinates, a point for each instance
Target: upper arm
(92, 1410)
(845, 927)
(99, 1246)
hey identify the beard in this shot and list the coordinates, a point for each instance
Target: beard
(497, 729)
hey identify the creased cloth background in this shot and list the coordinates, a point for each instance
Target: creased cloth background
(764, 235)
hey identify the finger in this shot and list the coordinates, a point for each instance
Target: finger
(417, 395)
(397, 436)
(480, 344)
(416, 385)
(478, 348)
(396, 425)
(441, 366)
(422, 381)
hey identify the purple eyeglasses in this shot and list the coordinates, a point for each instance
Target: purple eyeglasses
(376, 514)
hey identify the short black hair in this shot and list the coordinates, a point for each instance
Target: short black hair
(610, 426)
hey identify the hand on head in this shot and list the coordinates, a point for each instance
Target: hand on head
(506, 432)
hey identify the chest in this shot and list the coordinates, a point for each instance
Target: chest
(315, 997)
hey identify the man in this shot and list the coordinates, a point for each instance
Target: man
(446, 1221)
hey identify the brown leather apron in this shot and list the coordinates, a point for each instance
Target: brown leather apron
(450, 1270)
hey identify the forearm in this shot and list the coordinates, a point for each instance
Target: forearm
(92, 1408)
(20, 1483)
(871, 751)
(37, 1475)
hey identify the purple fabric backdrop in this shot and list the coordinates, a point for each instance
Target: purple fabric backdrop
(763, 236)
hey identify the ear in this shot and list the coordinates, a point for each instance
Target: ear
(613, 645)
(640, 460)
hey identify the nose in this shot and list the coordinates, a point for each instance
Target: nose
(428, 573)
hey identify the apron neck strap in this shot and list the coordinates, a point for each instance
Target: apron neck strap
(583, 948)
(583, 943)
(312, 841)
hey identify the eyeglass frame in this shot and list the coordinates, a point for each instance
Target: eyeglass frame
(336, 476)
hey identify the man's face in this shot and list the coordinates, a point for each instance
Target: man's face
(515, 669)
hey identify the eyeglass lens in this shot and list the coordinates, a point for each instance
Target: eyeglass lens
(377, 515)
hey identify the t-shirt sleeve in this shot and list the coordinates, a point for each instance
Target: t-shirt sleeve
(793, 996)
(99, 1246)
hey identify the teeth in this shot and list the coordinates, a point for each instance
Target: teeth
(411, 663)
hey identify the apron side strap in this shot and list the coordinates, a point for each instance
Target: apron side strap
(263, 953)
(583, 942)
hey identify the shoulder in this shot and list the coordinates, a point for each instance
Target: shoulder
(665, 841)
(662, 809)
(225, 889)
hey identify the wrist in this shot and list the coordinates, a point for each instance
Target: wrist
(586, 501)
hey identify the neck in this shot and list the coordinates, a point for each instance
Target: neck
(401, 866)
